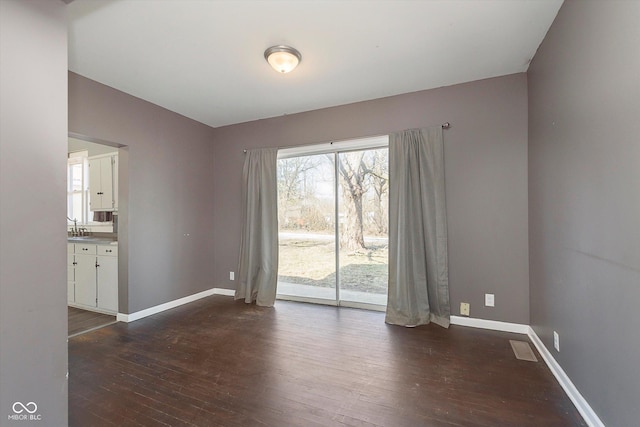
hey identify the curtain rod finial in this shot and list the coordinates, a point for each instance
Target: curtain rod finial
(446, 125)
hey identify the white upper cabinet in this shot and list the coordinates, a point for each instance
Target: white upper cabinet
(103, 173)
(115, 182)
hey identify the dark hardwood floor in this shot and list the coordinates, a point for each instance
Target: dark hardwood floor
(218, 362)
(81, 321)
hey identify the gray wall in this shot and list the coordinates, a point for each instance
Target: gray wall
(166, 226)
(486, 180)
(584, 201)
(33, 151)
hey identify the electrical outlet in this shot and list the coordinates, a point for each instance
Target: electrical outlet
(464, 308)
(489, 300)
(232, 275)
(556, 341)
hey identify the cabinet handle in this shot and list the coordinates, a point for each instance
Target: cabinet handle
(108, 250)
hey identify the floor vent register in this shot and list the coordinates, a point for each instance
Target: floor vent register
(523, 350)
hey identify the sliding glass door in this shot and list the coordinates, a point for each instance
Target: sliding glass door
(306, 220)
(363, 232)
(333, 225)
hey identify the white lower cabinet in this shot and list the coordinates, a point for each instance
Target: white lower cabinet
(71, 273)
(92, 281)
(86, 279)
(107, 278)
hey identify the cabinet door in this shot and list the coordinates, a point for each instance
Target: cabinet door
(71, 273)
(71, 284)
(106, 182)
(115, 182)
(85, 289)
(71, 292)
(101, 184)
(95, 186)
(108, 283)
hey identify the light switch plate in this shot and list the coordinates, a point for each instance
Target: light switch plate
(232, 275)
(489, 300)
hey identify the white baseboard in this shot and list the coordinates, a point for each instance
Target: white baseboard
(172, 304)
(225, 292)
(490, 324)
(590, 417)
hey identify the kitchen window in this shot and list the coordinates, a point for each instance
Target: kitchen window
(78, 187)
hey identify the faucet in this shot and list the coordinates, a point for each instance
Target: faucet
(74, 231)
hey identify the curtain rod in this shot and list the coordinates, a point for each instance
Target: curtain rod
(445, 125)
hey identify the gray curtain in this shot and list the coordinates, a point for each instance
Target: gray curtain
(258, 268)
(418, 264)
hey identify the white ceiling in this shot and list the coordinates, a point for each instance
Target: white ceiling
(204, 59)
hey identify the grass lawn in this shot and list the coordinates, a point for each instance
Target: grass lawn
(310, 261)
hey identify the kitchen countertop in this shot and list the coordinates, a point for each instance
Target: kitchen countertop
(93, 240)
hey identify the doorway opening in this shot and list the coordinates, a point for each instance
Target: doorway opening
(333, 223)
(96, 233)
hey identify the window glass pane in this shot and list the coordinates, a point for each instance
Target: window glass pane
(76, 177)
(306, 217)
(363, 215)
(76, 206)
(77, 186)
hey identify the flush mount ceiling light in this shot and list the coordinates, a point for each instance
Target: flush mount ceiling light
(283, 59)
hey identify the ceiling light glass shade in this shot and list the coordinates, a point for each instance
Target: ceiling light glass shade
(283, 59)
